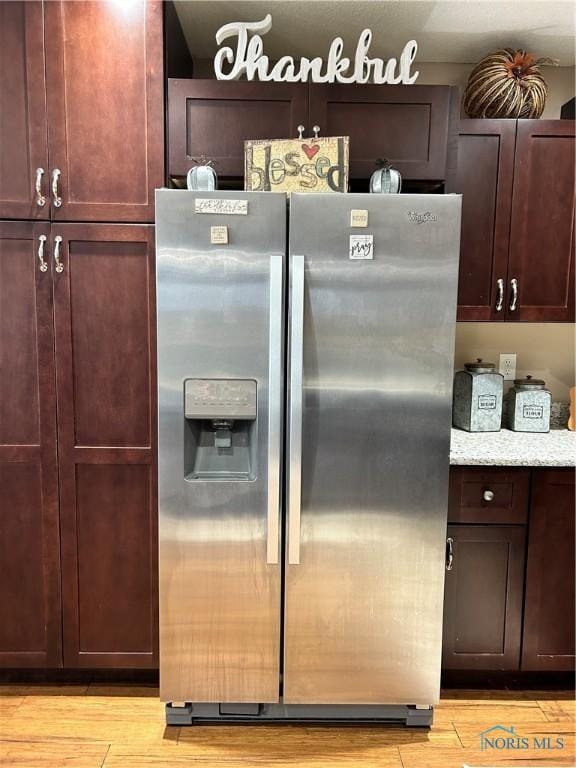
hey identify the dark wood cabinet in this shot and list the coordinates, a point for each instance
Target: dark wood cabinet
(30, 614)
(542, 224)
(497, 495)
(484, 178)
(549, 618)
(105, 106)
(23, 129)
(493, 513)
(105, 369)
(483, 597)
(213, 118)
(81, 95)
(406, 124)
(77, 446)
(517, 247)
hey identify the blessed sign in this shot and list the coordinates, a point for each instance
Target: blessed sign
(249, 60)
(297, 165)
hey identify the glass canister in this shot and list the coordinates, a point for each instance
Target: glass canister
(529, 405)
(478, 393)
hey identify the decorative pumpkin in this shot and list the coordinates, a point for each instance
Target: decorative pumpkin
(506, 83)
(385, 179)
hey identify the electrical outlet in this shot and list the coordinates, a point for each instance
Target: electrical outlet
(508, 365)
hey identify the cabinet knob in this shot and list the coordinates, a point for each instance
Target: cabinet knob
(488, 495)
(301, 130)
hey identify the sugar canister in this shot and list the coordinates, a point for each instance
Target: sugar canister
(529, 405)
(478, 394)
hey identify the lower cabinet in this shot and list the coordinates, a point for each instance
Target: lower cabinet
(78, 584)
(549, 616)
(30, 602)
(483, 597)
(509, 591)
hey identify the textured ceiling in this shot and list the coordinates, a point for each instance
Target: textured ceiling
(446, 30)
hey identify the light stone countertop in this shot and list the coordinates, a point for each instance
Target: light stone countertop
(556, 448)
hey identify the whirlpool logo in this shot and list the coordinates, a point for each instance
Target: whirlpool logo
(502, 739)
(421, 218)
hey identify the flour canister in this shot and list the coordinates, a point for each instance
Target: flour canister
(478, 392)
(529, 405)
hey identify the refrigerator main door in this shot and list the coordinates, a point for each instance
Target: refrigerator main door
(220, 430)
(371, 358)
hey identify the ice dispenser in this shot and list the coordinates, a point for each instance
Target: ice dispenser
(220, 429)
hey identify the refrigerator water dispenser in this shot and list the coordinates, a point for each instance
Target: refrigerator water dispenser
(220, 429)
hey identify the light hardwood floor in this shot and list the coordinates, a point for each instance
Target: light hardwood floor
(91, 726)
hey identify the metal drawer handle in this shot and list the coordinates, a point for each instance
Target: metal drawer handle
(514, 286)
(488, 495)
(316, 129)
(43, 265)
(56, 197)
(40, 199)
(500, 299)
(449, 553)
(301, 129)
(59, 265)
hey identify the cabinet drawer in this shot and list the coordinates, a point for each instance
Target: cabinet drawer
(488, 495)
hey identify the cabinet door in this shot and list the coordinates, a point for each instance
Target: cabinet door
(406, 124)
(214, 118)
(484, 178)
(483, 598)
(549, 614)
(30, 619)
(542, 226)
(105, 366)
(105, 108)
(23, 138)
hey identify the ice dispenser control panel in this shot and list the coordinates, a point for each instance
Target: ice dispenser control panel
(220, 399)
(220, 434)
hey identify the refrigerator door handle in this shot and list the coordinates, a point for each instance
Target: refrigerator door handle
(295, 420)
(274, 410)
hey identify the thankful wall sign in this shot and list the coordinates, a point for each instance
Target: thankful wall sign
(296, 165)
(249, 59)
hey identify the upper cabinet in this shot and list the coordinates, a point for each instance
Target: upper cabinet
(517, 249)
(23, 132)
(408, 125)
(212, 118)
(542, 225)
(101, 147)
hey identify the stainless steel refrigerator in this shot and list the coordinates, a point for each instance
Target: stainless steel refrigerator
(304, 398)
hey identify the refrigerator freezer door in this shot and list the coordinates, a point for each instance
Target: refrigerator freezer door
(220, 309)
(365, 564)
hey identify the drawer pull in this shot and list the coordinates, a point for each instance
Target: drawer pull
(500, 299)
(514, 286)
(449, 553)
(40, 199)
(488, 495)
